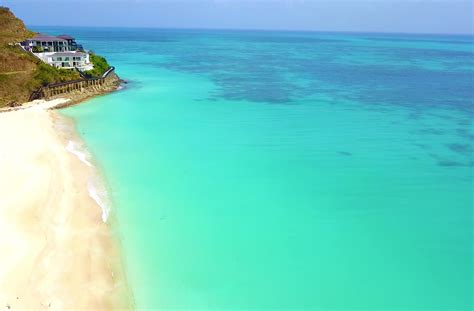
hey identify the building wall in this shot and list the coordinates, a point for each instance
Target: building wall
(52, 46)
(69, 62)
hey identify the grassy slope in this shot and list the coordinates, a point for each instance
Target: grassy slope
(21, 72)
(100, 66)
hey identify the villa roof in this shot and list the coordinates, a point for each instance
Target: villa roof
(66, 37)
(43, 37)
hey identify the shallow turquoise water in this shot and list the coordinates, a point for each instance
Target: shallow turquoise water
(283, 171)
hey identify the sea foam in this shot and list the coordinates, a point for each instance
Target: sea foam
(71, 147)
(95, 188)
(98, 193)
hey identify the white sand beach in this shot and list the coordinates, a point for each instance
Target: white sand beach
(56, 253)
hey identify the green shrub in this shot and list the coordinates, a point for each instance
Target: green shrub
(100, 66)
(46, 74)
(37, 49)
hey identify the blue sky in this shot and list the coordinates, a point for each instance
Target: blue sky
(407, 16)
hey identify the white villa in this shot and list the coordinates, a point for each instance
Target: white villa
(59, 51)
(67, 60)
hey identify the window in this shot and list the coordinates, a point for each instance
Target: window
(60, 58)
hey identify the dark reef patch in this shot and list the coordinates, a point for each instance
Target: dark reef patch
(464, 149)
(422, 146)
(345, 153)
(465, 133)
(430, 131)
(465, 122)
(450, 163)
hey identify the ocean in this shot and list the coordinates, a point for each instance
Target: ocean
(259, 170)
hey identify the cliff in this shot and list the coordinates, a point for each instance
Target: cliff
(12, 29)
(21, 73)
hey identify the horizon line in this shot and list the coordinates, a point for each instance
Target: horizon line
(470, 34)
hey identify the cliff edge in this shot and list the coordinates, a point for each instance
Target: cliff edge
(21, 72)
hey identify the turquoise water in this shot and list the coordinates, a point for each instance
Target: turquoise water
(285, 170)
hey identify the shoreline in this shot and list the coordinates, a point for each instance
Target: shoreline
(59, 250)
(68, 99)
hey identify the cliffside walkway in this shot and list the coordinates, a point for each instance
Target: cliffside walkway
(53, 89)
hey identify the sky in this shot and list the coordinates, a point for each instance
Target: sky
(402, 16)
